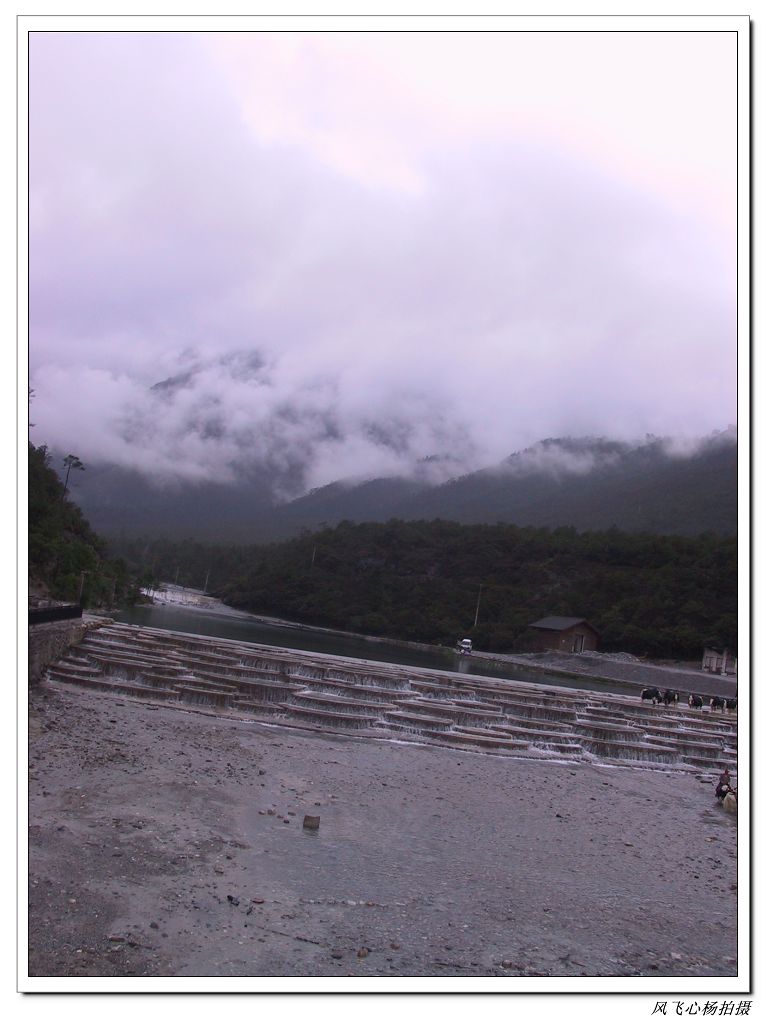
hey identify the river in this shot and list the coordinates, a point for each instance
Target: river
(231, 625)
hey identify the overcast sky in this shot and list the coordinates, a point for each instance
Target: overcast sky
(357, 251)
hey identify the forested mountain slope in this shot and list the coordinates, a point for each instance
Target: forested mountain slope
(586, 483)
(645, 593)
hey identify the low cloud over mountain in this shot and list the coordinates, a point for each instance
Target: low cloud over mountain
(325, 257)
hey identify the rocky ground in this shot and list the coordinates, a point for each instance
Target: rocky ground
(169, 843)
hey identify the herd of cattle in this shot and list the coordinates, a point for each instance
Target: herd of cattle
(694, 700)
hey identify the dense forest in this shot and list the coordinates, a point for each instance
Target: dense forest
(665, 596)
(67, 560)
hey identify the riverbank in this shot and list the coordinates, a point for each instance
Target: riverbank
(605, 668)
(169, 843)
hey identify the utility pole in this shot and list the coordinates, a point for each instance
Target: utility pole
(176, 579)
(314, 552)
(207, 577)
(83, 574)
(479, 598)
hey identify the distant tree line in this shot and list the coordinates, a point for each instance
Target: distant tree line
(664, 596)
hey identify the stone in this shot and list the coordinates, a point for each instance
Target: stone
(312, 821)
(362, 952)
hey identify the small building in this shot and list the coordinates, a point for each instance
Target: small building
(722, 663)
(560, 633)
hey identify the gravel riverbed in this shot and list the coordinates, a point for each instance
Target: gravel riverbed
(169, 843)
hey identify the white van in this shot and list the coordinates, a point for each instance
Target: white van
(464, 647)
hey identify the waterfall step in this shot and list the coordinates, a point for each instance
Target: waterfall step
(458, 712)
(395, 682)
(438, 689)
(270, 693)
(203, 695)
(476, 739)
(706, 762)
(619, 749)
(527, 709)
(259, 680)
(535, 736)
(375, 694)
(412, 721)
(79, 666)
(255, 707)
(338, 718)
(164, 680)
(120, 686)
(334, 702)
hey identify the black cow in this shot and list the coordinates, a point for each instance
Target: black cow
(670, 697)
(652, 693)
(695, 701)
(732, 703)
(717, 702)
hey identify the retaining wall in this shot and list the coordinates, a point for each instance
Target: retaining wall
(49, 641)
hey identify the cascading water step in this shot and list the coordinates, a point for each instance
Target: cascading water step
(259, 681)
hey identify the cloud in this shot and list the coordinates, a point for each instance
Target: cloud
(460, 290)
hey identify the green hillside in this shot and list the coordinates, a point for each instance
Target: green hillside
(67, 560)
(665, 596)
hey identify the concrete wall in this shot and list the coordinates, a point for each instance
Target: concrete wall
(49, 641)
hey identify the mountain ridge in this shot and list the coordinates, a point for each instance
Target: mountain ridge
(586, 483)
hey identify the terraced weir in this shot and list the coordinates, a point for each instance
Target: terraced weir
(378, 700)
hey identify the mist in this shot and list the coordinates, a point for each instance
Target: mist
(297, 253)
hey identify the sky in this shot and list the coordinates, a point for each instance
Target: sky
(339, 254)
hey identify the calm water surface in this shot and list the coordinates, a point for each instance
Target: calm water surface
(302, 638)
